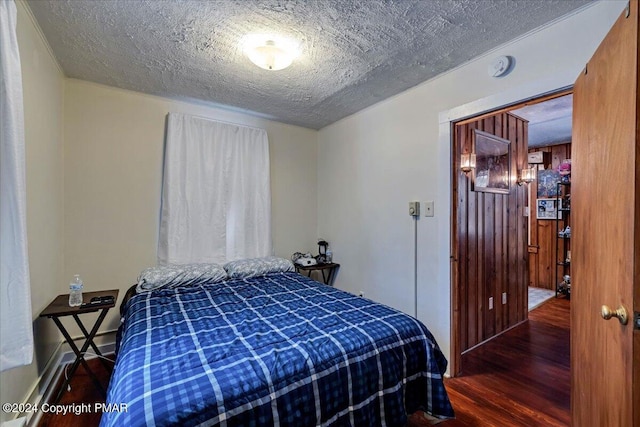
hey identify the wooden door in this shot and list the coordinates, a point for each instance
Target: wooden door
(605, 232)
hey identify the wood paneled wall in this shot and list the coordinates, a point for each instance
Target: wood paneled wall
(490, 241)
(542, 246)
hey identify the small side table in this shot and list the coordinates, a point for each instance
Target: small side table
(330, 268)
(60, 308)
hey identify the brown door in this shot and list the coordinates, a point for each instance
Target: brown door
(605, 233)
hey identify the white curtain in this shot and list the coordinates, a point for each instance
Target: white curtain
(216, 195)
(16, 335)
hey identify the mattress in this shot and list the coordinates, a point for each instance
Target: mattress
(279, 349)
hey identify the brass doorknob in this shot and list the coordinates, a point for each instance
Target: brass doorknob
(620, 313)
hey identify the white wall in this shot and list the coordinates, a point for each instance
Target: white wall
(113, 164)
(371, 164)
(43, 90)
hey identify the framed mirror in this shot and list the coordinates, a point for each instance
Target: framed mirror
(492, 173)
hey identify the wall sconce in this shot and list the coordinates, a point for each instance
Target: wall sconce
(527, 176)
(467, 162)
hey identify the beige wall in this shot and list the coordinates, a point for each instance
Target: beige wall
(94, 162)
(43, 87)
(113, 167)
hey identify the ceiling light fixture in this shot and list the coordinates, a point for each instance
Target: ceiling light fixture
(270, 52)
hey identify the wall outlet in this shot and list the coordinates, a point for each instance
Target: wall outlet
(361, 294)
(504, 298)
(490, 303)
(429, 208)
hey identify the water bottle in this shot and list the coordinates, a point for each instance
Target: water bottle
(329, 256)
(75, 294)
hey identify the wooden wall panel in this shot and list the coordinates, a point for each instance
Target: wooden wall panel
(542, 263)
(490, 240)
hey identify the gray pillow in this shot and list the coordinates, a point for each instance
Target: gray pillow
(171, 276)
(245, 268)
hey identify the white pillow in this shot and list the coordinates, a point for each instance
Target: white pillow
(172, 276)
(245, 268)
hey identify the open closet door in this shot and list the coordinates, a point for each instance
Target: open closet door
(605, 203)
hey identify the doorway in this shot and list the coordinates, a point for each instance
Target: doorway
(549, 158)
(605, 374)
(496, 236)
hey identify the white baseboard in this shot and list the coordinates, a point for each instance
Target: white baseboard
(105, 348)
(42, 383)
(42, 390)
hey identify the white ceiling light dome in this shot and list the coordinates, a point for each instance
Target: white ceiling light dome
(269, 51)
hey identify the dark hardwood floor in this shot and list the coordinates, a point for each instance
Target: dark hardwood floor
(521, 378)
(82, 391)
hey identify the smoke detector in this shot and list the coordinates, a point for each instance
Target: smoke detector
(500, 66)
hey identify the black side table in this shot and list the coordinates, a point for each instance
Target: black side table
(329, 267)
(60, 308)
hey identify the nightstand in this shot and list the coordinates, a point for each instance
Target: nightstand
(328, 271)
(60, 308)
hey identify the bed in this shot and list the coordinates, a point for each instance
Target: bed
(275, 349)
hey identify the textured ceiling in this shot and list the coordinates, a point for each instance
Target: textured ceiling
(549, 121)
(354, 52)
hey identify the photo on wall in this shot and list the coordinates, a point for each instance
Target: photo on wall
(548, 209)
(547, 183)
(492, 173)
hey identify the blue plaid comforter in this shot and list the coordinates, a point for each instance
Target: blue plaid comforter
(279, 349)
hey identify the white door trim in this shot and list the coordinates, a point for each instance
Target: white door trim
(516, 95)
